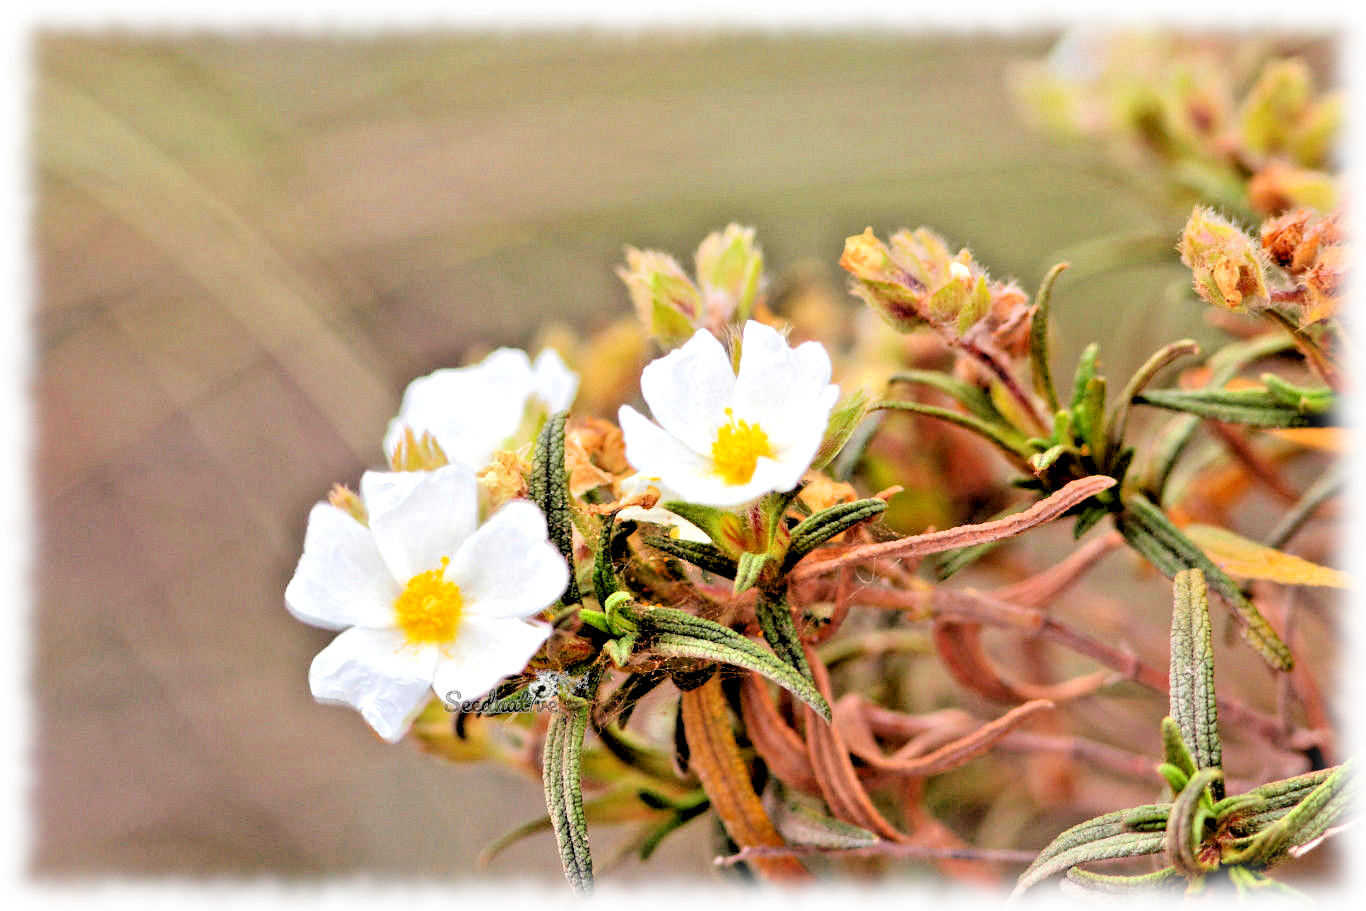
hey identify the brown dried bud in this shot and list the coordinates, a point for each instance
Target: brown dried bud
(504, 479)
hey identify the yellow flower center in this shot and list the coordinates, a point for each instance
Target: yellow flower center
(739, 444)
(429, 608)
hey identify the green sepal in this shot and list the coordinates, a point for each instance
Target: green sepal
(548, 487)
(844, 419)
(704, 556)
(749, 569)
(816, 529)
(711, 520)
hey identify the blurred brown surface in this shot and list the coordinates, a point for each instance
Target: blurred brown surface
(247, 246)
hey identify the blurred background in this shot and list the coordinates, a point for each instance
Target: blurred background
(246, 248)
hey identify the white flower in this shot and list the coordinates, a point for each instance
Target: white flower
(429, 603)
(724, 439)
(636, 484)
(472, 411)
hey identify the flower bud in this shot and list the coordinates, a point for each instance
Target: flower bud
(1280, 186)
(729, 266)
(666, 300)
(1227, 267)
(504, 479)
(918, 281)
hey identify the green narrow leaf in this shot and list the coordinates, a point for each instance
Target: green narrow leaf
(799, 824)
(561, 759)
(1085, 373)
(971, 397)
(1173, 440)
(1118, 421)
(815, 530)
(549, 489)
(1191, 681)
(1152, 534)
(1108, 825)
(1175, 750)
(1309, 818)
(1123, 844)
(1090, 515)
(1098, 886)
(755, 659)
(1306, 399)
(1186, 825)
(748, 570)
(1091, 419)
(780, 632)
(1038, 339)
(1005, 437)
(605, 582)
(1253, 407)
(699, 553)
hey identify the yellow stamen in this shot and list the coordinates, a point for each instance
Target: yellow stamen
(429, 608)
(739, 444)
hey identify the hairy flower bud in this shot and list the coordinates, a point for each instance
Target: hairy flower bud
(666, 300)
(672, 306)
(916, 281)
(729, 266)
(1227, 267)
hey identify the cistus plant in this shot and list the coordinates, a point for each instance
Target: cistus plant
(726, 609)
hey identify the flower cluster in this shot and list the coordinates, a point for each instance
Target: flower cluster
(432, 602)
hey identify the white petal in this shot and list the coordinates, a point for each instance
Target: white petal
(508, 568)
(341, 579)
(554, 383)
(653, 451)
(470, 410)
(689, 389)
(485, 651)
(785, 390)
(378, 673)
(418, 517)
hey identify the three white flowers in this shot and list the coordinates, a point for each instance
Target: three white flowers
(430, 602)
